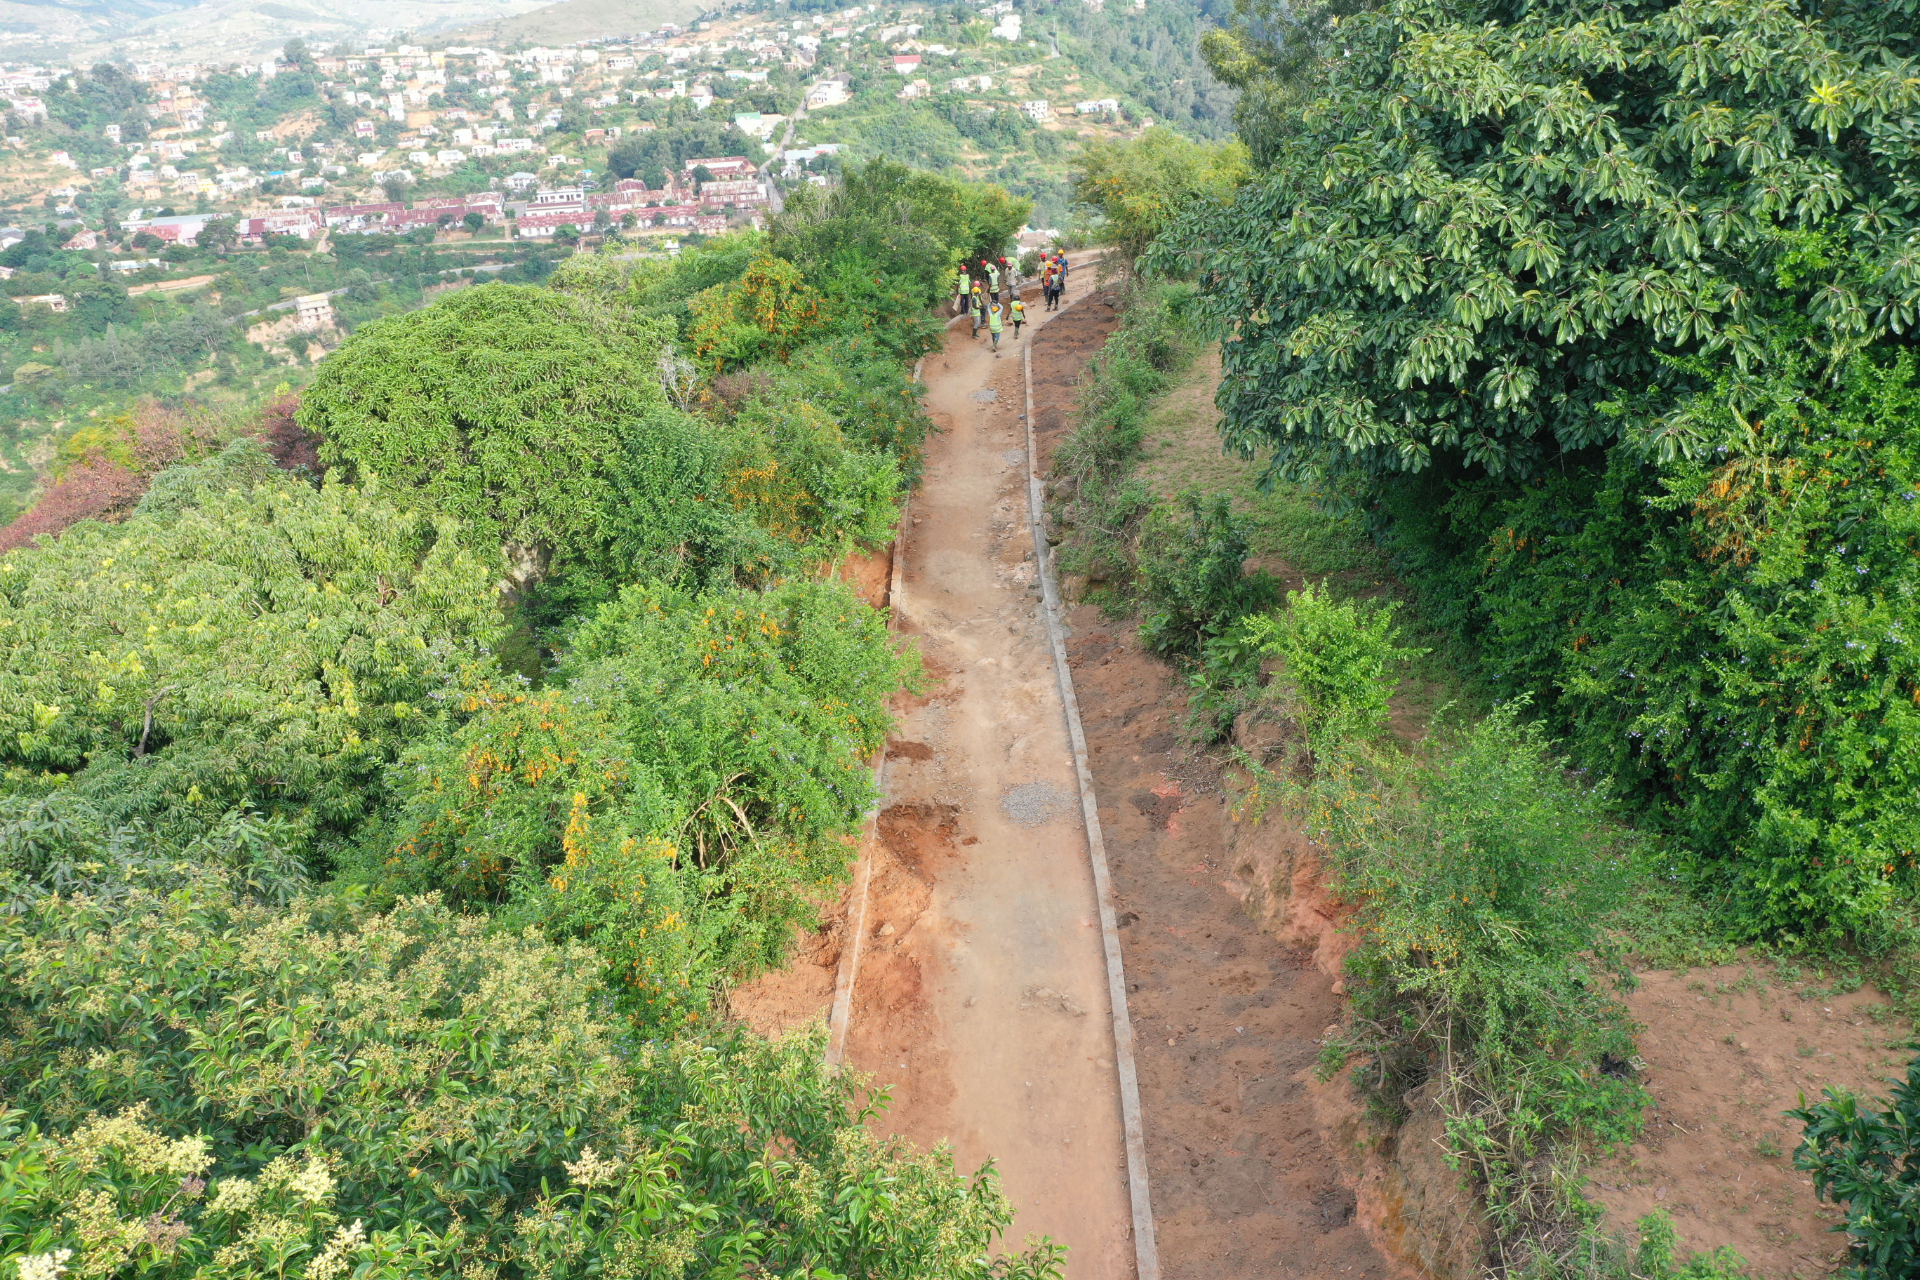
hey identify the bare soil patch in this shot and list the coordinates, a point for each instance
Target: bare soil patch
(1727, 1050)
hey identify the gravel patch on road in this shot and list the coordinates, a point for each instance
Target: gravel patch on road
(1032, 804)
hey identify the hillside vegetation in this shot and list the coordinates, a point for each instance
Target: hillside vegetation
(376, 846)
(1600, 319)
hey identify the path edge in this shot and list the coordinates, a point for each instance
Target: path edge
(1146, 1253)
(840, 1015)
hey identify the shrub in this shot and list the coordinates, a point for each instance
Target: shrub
(682, 800)
(1869, 1160)
(759, 710)
(266, 645)
(764, 314)
(1481, 881)
(1337, 655)
(1193, 578)
(221, 1086)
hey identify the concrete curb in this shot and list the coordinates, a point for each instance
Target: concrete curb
(841, 1014)
(1146, 1253)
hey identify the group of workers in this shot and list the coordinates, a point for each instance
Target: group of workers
(990, 309)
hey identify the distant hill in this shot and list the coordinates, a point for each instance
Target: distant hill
(574, 20)
(220, 30)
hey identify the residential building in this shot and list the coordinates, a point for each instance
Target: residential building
(1039, 110)
(744, 193)
(314, 311)
(830, 92)
(722, 167)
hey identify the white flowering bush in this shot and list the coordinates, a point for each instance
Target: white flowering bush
(208, 1086)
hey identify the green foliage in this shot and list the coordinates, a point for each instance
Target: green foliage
(208, 1088)
(272, 646)
(1869, 1160)
(760, 710)
(1729, 638)
(1481, 880)
(1337, 655)
(213, 1073)
(762, 315)
(1486, 221)
(682, 801)
(491, 402)
(792, 468)
(1607, 325)
(907, 226)
(1095, 464)
(63, 844)
(1141, 185)
(1193, 578)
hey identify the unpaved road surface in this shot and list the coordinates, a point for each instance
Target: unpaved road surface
(980, 999)
(981, 996)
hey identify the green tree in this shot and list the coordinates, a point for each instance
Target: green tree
(241, 639)
(1488, 223)
(218, 234)
(897, 222)
(412, 1093)
(1140, 186)
(507, 406)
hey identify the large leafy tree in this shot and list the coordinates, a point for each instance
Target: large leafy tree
(517, 409)
(1486, 224)
(1143, 184)
(241, 639)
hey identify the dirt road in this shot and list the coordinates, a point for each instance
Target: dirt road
(982, 989)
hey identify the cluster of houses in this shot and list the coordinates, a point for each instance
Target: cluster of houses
(685, 203)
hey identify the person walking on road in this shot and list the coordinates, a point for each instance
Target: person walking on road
(977, 309)
(1017, 312)
(994, 326)
(960, 288)
(1013, 283)
(993, 278)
